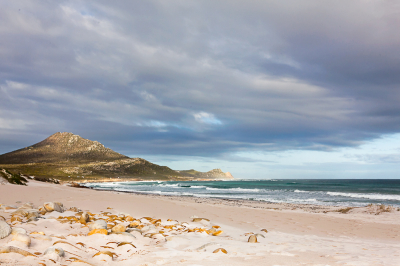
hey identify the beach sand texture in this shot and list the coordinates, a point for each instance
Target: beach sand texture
(167, 231)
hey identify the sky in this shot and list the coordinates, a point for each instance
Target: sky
(262, 89)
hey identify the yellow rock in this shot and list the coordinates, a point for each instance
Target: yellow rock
(220, 249)
(109, 253)
(98, 231)
(211, 231)
(169, 227)
(129, 218)
(84, 218)
(98, 224)
(22, 238)
(37, 233)
(11, 249)
(120, 228)
(16, 230)
(42, 211)
(252, 239)
(53, 206)
(218, 233)
(125, 243)
(8, 207)
(134, 224)
(155, 221)
(196, 220)
(16, 219)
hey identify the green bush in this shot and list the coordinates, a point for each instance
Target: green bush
(13, 178)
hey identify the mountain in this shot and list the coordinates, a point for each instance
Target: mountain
(70, 157)
(213, 174)
(62, 146)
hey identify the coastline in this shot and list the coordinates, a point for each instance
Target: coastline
(236, 202)
(297, 234)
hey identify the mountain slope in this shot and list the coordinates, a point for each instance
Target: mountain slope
(62, 147)
(213, 174)
(71, 157)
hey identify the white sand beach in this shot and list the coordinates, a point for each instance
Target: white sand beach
(163, 230)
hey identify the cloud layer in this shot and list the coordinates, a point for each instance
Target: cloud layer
(204, 78)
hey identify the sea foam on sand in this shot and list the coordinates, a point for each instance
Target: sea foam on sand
(168, 231)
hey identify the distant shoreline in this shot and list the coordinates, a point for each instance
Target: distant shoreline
(235, 202)
(315, 194)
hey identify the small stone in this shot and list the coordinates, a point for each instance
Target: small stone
(32, 214)
(17, 230)
(5, 229)
(220, 249)
(16, 219)
(118, 228)
(252, 239)
(8, 207)
(84, 218)
(22, 238)
(32, 219)
(98, 231)
(196, 220)
(134, 224)
(98, 224)
(55, 250)
(53, 206)
(42, 211)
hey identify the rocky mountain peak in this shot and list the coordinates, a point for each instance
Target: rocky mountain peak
(70, 142)
(62, 147)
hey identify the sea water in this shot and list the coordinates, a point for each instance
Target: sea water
(333, 192)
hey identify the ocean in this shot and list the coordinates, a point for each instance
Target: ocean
(333, 192)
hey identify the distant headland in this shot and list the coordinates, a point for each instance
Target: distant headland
(69, 157)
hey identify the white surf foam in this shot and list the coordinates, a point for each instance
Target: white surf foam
(366, 196)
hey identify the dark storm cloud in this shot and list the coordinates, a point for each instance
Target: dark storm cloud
(200, 77)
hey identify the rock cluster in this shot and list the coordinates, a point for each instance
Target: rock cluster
(95, 238)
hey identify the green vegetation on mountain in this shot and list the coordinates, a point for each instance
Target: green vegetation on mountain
(9, 177)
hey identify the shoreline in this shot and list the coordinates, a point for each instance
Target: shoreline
(237, 202)
(300, 236)
(365, 214)
(265, 204)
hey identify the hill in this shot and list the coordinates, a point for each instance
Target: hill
(67, 156)
(213, 174)
(62, 147)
